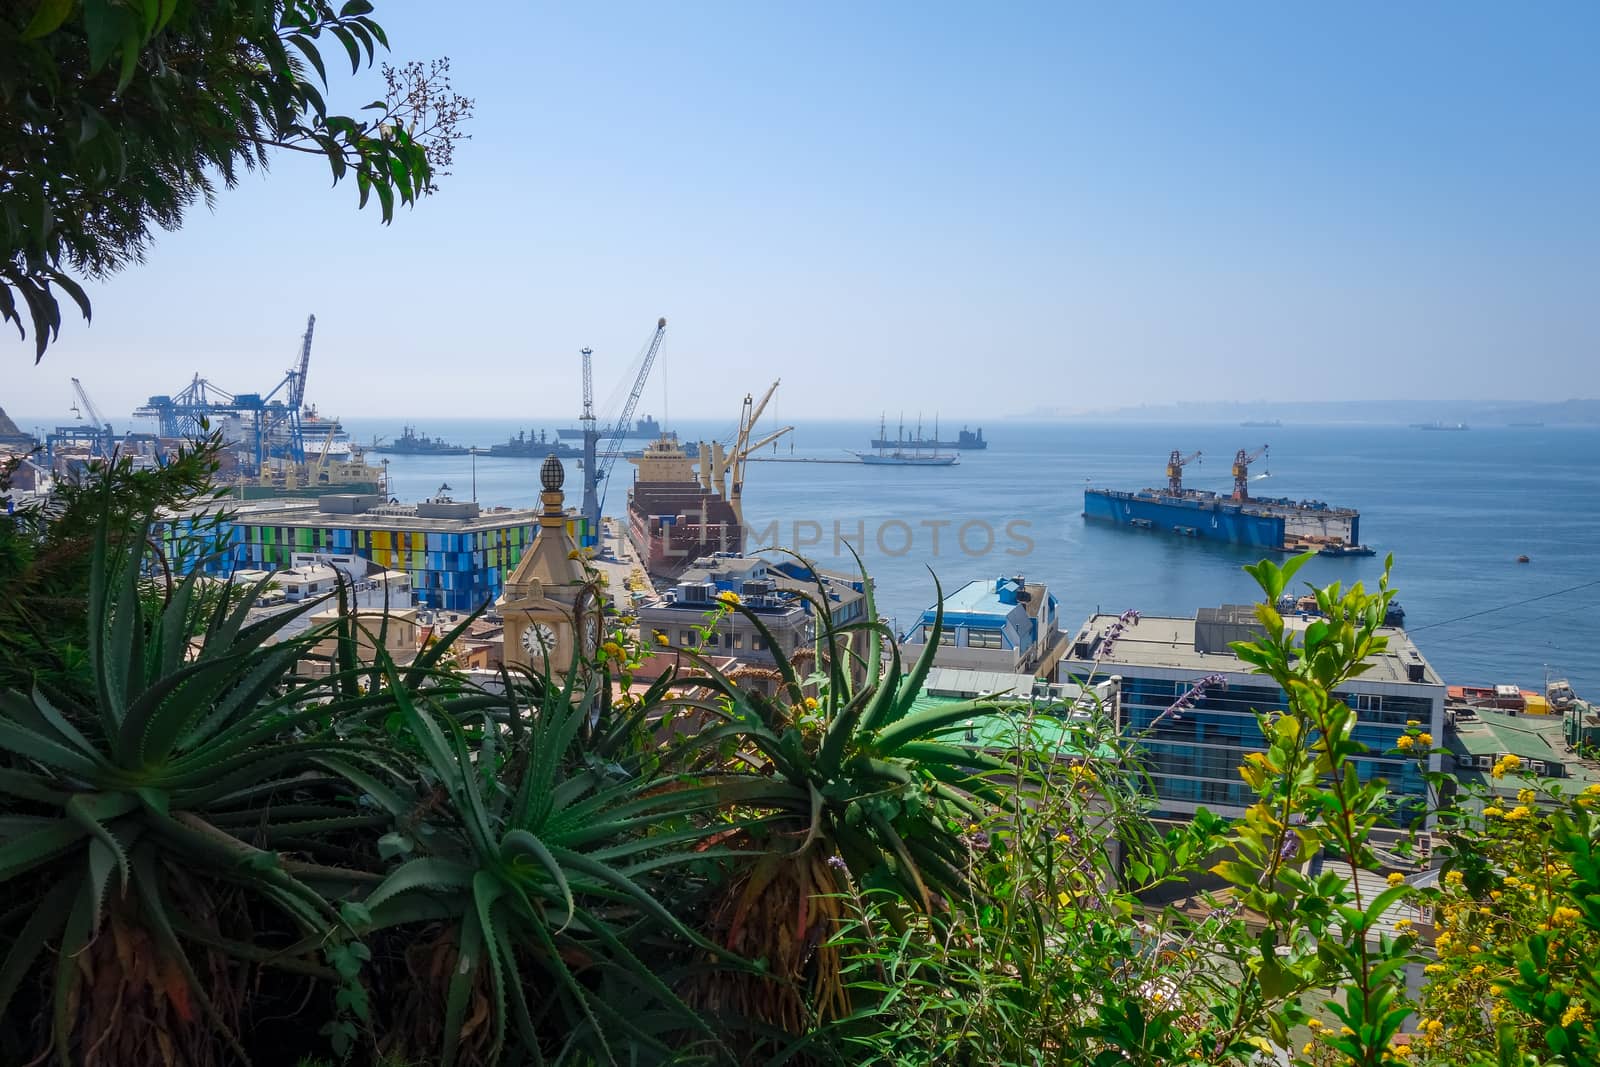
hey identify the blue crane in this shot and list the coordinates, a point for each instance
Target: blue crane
(594, 478)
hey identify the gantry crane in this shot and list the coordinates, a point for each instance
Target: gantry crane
(104, 436)
(717, 461)
(597, 469)
(1241, 471)
(1175, 464)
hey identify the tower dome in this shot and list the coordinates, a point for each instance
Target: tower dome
(552, 474)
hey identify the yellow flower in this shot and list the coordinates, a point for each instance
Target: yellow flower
(1434, 968)
(728, 596)
(1478, 970)
(1396, 878)
(1506, 764)
(1441, 942)
(1063, 899)
(1411, 723)
(1526, 796)
(1495, 894)
(1519, 812)
(1433, 1026)
(1564, 916)
(1425, 740)
(1308, 1050)
(1346, 1031)
(661, 638)
(1453, 877)
(1400, 1051)
(1593, 790)
(1402, 926)
(811, 703)
(1485, 910)
(1405, 743)
(1495, 991)
(1575, 1011)
(1063, 839)
(1315, 1024)
(1492, 812)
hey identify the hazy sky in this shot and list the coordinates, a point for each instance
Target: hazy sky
(979, 209)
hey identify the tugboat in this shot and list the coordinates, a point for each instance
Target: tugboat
(411, 443)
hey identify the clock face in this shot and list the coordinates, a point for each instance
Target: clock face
(539, 640)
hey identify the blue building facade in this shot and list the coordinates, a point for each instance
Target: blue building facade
(1193, 705)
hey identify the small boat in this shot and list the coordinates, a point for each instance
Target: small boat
(1524, 559)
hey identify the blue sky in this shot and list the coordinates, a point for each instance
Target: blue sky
(977, 209)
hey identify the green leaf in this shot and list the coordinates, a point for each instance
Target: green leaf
(48, 17)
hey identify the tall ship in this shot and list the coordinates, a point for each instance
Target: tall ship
(903, 451)
(412, 443)
(645, 429)
(1273, 523)
(530, 445)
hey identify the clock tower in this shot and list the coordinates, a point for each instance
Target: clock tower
(549, 607)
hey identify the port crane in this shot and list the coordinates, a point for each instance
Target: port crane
(597, 467)
(717, 462)
(1175, 464)
(103, 435)
(1241, 471)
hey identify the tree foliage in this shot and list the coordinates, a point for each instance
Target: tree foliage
(116, 116)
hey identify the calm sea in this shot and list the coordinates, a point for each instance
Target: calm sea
(1455, 509)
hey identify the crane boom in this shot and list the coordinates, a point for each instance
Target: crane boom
(103, 431)
(1241, 471)
(1175, 464)
(620, 429)
(297, 389)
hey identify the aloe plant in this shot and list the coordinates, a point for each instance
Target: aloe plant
(154, 806)
(858, 784)
(540, 866)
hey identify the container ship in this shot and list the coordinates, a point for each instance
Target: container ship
(411, 443)
(1274, 523)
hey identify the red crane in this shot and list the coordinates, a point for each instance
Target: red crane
(1175, 464)
(1241, 471)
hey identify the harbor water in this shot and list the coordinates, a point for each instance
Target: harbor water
(1455, 509)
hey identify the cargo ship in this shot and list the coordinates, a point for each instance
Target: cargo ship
(674, 515)
(966, 441)
(1273, 523)
(1444, 427)
(411, 443)
(646, 428)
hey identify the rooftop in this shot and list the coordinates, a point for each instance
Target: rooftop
(1494, 732)
(993, 596)
(1167, 641)
(339, 510)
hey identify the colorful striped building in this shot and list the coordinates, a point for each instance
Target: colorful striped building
(457, 554)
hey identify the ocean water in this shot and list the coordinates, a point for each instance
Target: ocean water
(1455, 509)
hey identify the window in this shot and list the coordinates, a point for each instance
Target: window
(685, 637)
(757, 643)
(985, 639)
(947, 636)
(737, 640)
(711, 639)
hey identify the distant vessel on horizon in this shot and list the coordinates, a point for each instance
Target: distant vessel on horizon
(646, 428)
(1447, 427)
(1262, 424)
(907, 452)
(411, 443)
